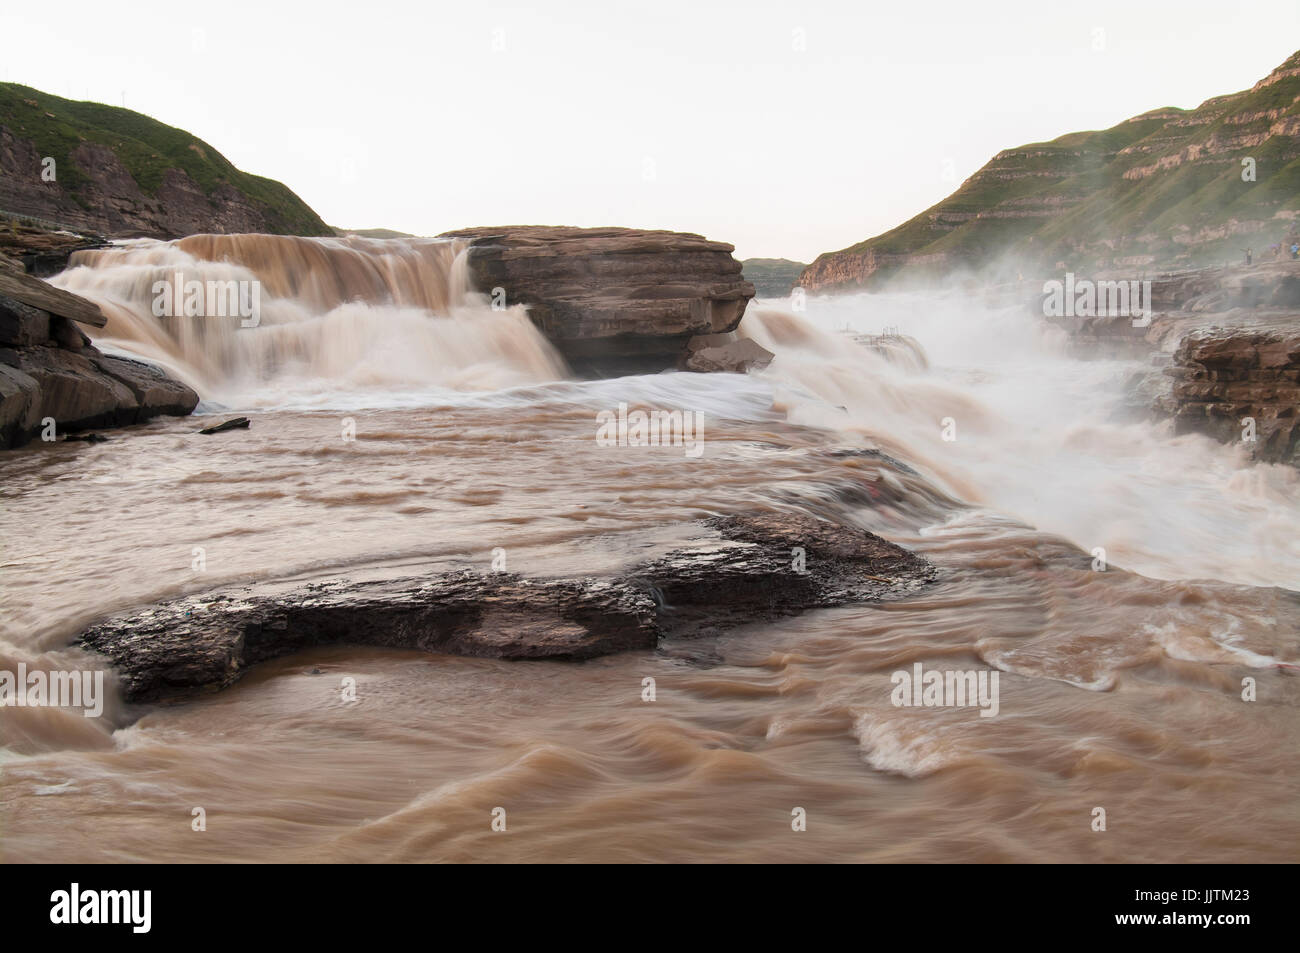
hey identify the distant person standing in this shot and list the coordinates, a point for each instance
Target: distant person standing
(1295, 251)
(1250, 255)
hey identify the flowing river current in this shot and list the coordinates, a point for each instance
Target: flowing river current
(1121, 672)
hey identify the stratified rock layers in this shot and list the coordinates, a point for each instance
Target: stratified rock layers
(1242, 385)
(612, 300)
(1170, 188)
(50, 371)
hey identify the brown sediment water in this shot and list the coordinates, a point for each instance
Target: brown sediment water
(1120, 676)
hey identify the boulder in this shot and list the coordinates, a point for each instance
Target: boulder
(22, 325)
(235, 423)
(75, 392)
(20, 411)
(733, 357)
(80, 389)
(611, 300)
(155, 393)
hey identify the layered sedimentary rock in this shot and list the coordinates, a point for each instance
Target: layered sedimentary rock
(1224, 352)
(1170, 188)
(1271, 286)
(42, 252)
(734, 570)
(612, 300)
(1242, 386)
(49, 371)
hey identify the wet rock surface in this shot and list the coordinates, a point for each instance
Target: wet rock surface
(612, 300)
(736, 570)
(1223, 377)
(50, 370)
(1227, 350)
(713, 354)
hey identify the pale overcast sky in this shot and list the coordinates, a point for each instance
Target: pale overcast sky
(788, 129)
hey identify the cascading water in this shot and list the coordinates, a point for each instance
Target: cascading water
(1036, 434)
(335, 314)
(1120, 685)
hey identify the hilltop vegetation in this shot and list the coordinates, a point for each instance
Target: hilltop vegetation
(772, 277)
(1162, 190)
(171, 173)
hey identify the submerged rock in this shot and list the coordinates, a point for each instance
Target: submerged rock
(732, 357)
(737, 570)
(234, 423)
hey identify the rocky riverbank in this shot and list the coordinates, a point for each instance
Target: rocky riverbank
(53, 381)
(1240, 385)
(1225, 350)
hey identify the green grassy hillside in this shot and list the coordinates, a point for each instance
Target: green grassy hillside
(146, 148)
(1161, 190)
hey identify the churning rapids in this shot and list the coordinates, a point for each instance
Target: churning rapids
(1120, 689)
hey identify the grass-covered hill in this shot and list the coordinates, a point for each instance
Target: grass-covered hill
(772, 277)
(118, 172)
(1161, 190)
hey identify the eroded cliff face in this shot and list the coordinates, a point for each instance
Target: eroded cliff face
(612, 300)
(1240, 386)
(855, 271)
(1168, 189)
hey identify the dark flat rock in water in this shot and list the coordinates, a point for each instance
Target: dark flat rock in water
(738, 570)
(235, 423)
